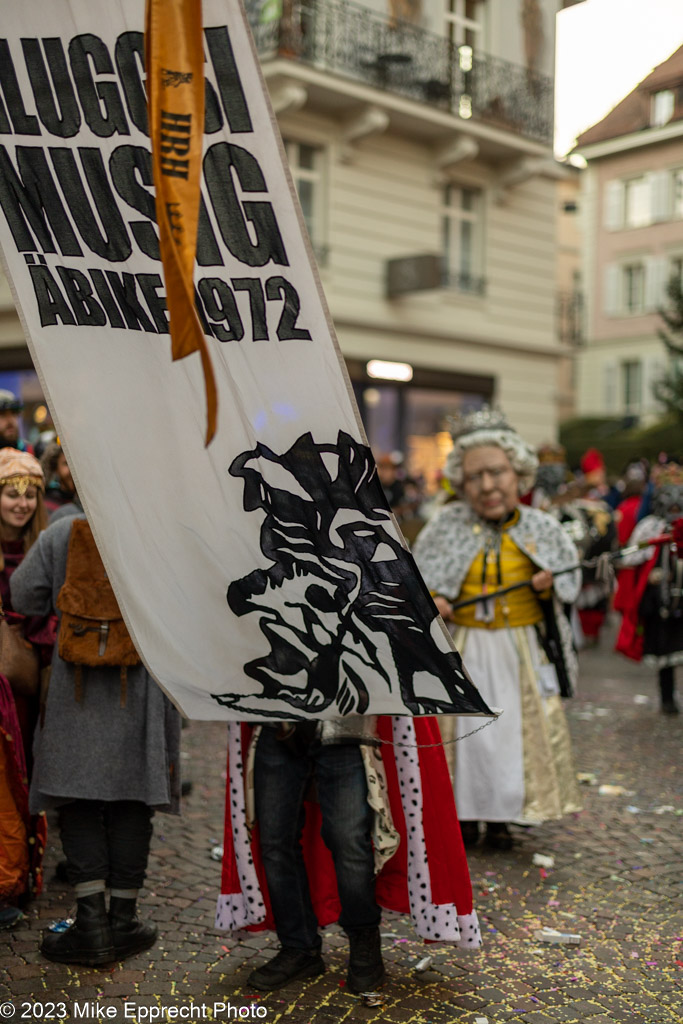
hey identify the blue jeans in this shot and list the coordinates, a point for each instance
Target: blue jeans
(281, 781)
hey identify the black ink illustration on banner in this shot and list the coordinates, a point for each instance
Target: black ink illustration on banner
(341, 602)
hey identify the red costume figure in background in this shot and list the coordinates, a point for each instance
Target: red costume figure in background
(651, 586)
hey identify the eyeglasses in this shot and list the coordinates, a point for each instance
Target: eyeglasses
(495, 474)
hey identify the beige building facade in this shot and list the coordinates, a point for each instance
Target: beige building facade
(431, 138)
(419, 136)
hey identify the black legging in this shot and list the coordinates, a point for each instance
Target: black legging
(666, 684)
(106, 839)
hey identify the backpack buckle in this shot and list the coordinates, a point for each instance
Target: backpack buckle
(103, 629)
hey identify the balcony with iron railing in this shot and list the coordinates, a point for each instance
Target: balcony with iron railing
(354, 42)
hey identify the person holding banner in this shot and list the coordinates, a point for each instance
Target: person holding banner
(330, 821)
(106, 751)
(288, 758)
(517, 647)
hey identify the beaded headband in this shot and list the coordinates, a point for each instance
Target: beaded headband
(22, 483)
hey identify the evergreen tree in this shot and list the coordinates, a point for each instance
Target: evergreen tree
(669, 390)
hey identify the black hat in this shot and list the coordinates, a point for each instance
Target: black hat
(9, 402)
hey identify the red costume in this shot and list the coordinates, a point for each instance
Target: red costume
(22, 836)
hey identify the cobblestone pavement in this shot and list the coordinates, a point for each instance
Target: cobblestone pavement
(616, 881)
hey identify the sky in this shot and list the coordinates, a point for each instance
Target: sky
(604, 48)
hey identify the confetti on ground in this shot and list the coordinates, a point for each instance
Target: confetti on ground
(552, 935)
(543, 860)
(372, 999)
(609, 886)
(424, 963)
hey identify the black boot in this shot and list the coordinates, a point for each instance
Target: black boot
(366, 968)
(88, 940)
(130, 934)
(666, 691)
(288, 965)
(469, 831)
(61, 871)
(498, 836)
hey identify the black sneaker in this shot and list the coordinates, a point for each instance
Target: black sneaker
(670, 707)
(287, 965)
(366, 968)
(9, 915)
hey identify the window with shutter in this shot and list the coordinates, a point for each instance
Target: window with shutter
(633, 288)
(677, 192)
(612, 301)
(462, 238)
(656, 280)
(614, 205)
(632, 385)
(661, 196)
(662, 108)
(465, 22)
(306, 164)
(637, 201)
(609, 386)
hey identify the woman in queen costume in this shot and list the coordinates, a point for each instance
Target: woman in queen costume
(517, 647)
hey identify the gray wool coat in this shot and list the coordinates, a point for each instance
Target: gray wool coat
(95, 749)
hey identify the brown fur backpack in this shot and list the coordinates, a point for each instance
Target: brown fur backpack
(92, 631)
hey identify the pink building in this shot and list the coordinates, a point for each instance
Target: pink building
(632, 208)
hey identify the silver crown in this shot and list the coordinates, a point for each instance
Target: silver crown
(485, 418)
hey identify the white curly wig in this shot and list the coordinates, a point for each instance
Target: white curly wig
(521, 455)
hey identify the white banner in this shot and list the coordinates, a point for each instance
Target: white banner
(263, 576)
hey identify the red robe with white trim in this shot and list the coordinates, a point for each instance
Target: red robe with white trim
(427, 877)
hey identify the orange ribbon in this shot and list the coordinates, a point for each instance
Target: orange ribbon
(174, 56)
